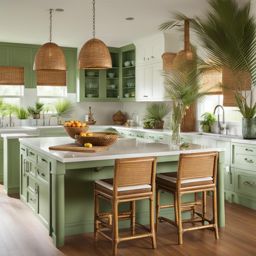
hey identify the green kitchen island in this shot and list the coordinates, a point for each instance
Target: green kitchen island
(58, 185)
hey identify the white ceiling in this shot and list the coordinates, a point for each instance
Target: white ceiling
(27, 21)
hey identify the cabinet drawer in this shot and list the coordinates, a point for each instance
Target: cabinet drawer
(245, 150)
(32, 168)
(43, 174)
(245, 184)
(32, 200)
(247, 162)
(43, 163)
(31, 155)
(32, 185)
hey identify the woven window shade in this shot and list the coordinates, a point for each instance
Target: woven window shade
(234, 81)
(211, 82)
(51, 77)
(11, 75)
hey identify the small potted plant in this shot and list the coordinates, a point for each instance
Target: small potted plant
(207, 122)
(63, 108)
(23, 115)
(155, 113)
(36, 110)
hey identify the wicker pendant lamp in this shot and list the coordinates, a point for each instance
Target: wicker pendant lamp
(50, 56)
(94, 53)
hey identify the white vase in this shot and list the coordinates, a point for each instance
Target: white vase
(25, 122)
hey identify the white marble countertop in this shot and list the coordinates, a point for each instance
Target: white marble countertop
(15, 135)
(123, 148)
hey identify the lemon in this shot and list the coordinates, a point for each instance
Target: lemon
(88, 145)
(88, 134)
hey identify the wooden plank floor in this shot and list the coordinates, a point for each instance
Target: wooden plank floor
(21, 233)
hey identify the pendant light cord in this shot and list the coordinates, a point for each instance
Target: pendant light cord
(93, 18)
(50, 11)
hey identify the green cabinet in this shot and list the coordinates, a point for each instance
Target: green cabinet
(114, 84)
(35, 183)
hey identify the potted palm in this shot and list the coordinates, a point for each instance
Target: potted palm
(36, 110)
(207, 122)
(228, 33)
(155, 113)
(63, 108)
(23, 115)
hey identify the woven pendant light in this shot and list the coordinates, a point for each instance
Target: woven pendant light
(94, 53)
(50, 56)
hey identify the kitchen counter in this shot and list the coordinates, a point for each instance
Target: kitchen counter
(123, 148)
(61, 187)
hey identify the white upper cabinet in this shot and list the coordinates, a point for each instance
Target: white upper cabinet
(149, 80)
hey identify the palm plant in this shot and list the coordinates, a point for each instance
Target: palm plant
(155, 114)
(183, 87)
(228, 33)
(36, 110)
(63, 108)
(21, 113)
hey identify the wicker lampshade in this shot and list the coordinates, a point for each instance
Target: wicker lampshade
(94, 55)
(50, 57)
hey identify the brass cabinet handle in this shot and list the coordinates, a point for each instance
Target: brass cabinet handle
(31, 153)
(250, 161)
(249, 150)
(43, 160)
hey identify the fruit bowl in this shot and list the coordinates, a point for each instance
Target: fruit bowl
(97, 138)
(75, 128)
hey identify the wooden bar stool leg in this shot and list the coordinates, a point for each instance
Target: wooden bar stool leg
(204, 205)
(115, 227)
(133, 217)
(96, 213)
(176, 212)
(157, 206)
(152, 222)
(180, 231)
(215, 214)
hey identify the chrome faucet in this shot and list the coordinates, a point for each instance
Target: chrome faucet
(223, 119)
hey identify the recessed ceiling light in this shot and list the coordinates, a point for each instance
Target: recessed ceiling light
(59, 10)
(129, 18)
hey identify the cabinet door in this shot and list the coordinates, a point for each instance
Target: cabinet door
(158, 82)
(144, 83)
(23, 176)
(43, 202)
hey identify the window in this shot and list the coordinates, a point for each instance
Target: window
(11, 84)
(51, 94)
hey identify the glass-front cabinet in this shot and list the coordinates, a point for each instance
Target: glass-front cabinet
(114, 84)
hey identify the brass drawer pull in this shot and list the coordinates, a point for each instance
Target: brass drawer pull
(43, 160)
(31, 153)
(250, 161)
(249, 150)
(248, 183)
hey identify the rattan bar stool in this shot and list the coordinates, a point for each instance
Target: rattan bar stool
(134, 179)
(196, 174)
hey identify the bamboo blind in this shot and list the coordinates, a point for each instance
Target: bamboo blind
(51, 77)
(234, 81)
(11, 75)
(211, 82)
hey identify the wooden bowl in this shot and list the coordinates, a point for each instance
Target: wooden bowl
(73, 132)
(98, 139)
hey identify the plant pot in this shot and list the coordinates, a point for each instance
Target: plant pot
(25, 122)
(36, 116)
(159, 125)
(249, 128)
(206, 128)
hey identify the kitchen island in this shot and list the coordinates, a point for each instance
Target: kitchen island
(58, 185)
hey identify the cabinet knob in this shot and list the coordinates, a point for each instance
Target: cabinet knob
(248, 150)
(145, 96)
(152, 57)
(250, 161)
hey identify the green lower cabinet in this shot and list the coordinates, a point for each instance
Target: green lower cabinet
(34, 183)
(1, 161)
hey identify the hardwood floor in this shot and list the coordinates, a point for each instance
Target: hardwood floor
(21, 233)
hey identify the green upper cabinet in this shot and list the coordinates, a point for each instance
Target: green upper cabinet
(114, 84)
(22, 55)
(128, 72)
